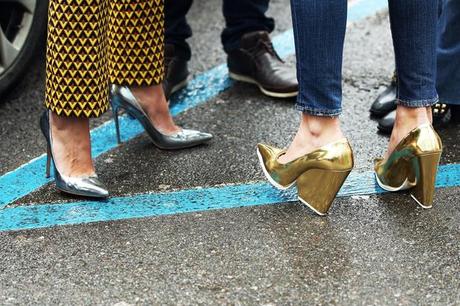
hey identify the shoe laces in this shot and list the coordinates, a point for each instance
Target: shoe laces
(263, 46)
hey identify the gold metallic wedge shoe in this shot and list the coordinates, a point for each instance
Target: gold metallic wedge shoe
(318, 174)
(413, 164)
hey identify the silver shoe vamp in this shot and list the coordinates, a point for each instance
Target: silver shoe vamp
(188, 135)
(91, 185)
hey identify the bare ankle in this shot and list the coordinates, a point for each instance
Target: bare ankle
(154, 104)
(71, 146)
(412, 116)
(62, 123)
(321, 129)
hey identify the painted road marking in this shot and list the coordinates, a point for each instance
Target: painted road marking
(184, 201)
(29, 177)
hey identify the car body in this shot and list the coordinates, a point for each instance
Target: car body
(22, 33)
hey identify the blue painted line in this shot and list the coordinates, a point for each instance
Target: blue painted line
(185, 201)
(365, 8)
(30, 176)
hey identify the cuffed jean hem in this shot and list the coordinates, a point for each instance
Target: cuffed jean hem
(318, 112)
(417, 103)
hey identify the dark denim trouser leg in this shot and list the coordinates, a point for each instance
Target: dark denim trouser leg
(241, 17)
(448, 80)
(414, 31)
(319, 30)
(177, 30)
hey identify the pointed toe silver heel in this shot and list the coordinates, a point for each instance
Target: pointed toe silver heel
(86, 186)
(121, 97)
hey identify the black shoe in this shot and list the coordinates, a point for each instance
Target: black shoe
(176, 72)
(386, 101)
(257, 62)
(455, 113)
(386, 124)
(443, 114)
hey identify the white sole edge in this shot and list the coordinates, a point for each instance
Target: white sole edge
(420, 204)
(268, 176)
(309, 206)
(406, 185)
(242, 78)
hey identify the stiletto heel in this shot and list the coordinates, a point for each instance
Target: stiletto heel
(413, 164)
(318, 175)
(426, 179)
(48, 162)
(87, 186)
(317, 188)
(122, 97)
(117, 124)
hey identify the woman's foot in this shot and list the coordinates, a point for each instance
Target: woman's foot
(154, 104)
(313, 133)
(407, 119)
(71, 146)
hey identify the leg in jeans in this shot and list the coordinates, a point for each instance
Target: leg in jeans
(241, 17)
(319, 159)
(448, 78)
(319, 32)
(414, 31)
(319, 28)
(177, 30)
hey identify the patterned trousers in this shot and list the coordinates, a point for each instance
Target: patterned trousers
(92, 43)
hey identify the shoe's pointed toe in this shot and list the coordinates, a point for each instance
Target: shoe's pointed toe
(186, 139)
(267, 152)
(197, 136)
(378, 164)
(90, 186)
(97, 188)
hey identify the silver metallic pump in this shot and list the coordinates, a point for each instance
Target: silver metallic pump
(121, 97)
(86, 186)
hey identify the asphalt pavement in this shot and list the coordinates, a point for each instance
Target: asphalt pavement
(376, 249)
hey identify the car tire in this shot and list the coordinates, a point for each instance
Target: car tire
(32, 44)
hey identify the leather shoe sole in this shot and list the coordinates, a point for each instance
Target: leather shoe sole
(270, 93)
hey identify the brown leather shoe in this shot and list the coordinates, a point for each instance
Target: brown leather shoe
(176, 72)
(257, 62)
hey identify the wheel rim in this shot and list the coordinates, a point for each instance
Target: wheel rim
(16, 18)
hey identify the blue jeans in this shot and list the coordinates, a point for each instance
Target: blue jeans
(319, 32)
(241, 17)
(448, 81)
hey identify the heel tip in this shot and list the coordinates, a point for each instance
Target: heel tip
(311, 207)
(420, 204)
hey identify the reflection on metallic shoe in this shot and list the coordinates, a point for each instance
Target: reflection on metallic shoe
(122, 98)
(412, 165)
(318, 174)
(86, 186)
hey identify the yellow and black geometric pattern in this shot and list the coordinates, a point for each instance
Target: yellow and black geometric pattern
(94, 42)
